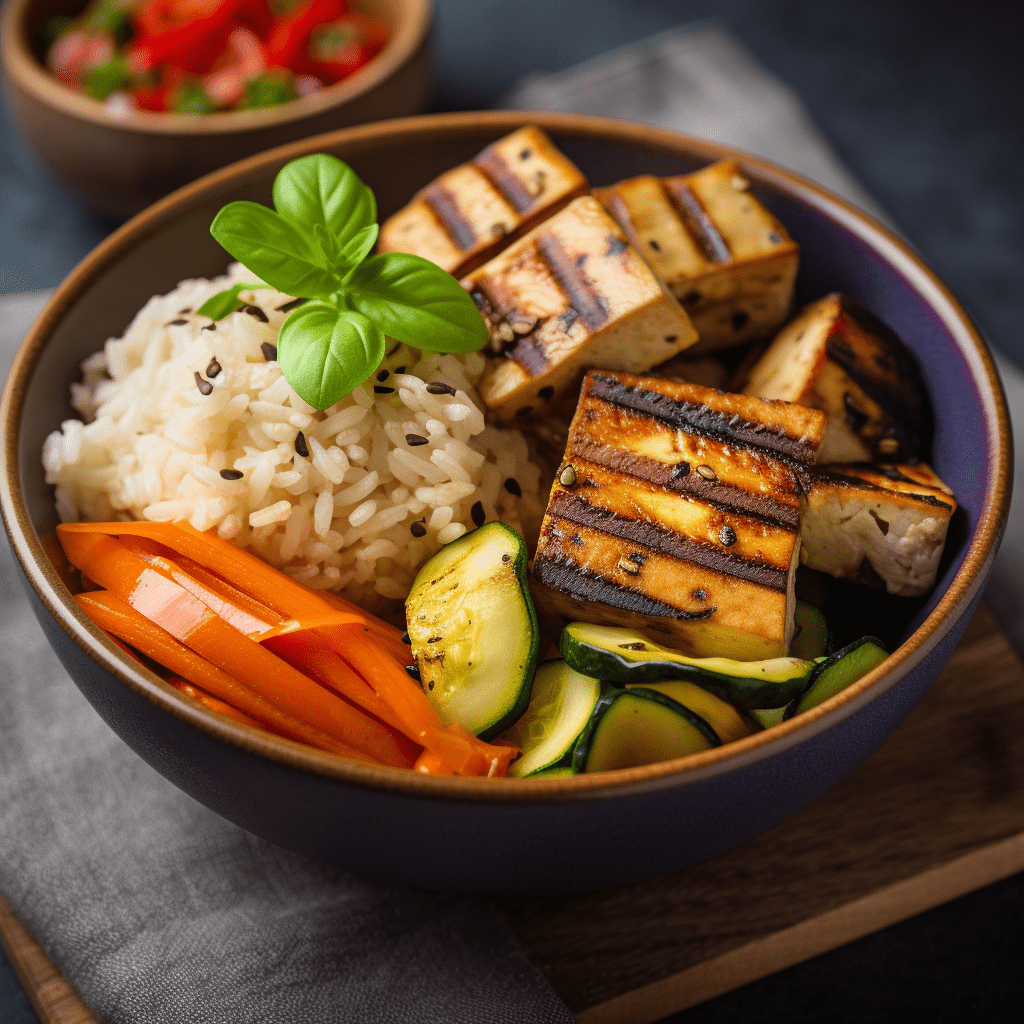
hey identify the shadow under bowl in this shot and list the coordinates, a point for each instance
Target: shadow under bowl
(120, 163)
(511, 836)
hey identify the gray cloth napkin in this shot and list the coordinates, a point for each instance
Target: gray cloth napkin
(158, 910)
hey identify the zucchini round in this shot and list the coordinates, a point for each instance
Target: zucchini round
(839, 671)
(811, 637)
(561, 704)
(473, 630)
(639, 726)
(625, 657)
(722, 717)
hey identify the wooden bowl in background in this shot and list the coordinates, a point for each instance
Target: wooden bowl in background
(120, 163)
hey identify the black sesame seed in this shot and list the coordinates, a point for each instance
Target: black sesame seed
(477, 513)
(434, 639)
(524, 154)
(775, 238)
(382, 376)
(727, 535)
(269, 351)
(382, 389)
(210, 327)
(506, 558)
(414, 671)
(654, 245)
(232, 474)
(394, 348)
(680, 469)
(289, 306)
(406, 639)
(671, 338)
(440, 388)
(205, 387)
(182, 312)
(415, 440)
(512, 486)
(256, 312)
(399, 369)
(301, 448)
(700, 594)
(546, 393)
(525, 410)
(418, 530)
(691, 297)
(214, 368)
(176, 323)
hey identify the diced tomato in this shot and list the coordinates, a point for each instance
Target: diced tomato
(151, 97)
(243, 59)
(74, 54)
(288, 43)
(338, 49)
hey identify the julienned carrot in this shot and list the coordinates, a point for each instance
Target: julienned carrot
(125, 624)
(428, 763)
(245, 571)
(185, 617)
(211, 702)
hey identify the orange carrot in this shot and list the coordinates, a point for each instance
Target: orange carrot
(169, 605)
(125, 624)
(200, 697)
(428, 763)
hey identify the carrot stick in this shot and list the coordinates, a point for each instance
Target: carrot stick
(118, 618)
(428, 763)
(185, 617)
(201, 697)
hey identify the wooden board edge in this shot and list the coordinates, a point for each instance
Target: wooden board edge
(808, 939)
(52, 997)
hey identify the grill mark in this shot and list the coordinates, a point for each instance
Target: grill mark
(507, 182)
(446, 208)
(530, 356)
(727, 497)
(576, 509)
(839, 480)
(696, 220)
(567, 576)
(696, 418)
(616, 206)
(589, 303)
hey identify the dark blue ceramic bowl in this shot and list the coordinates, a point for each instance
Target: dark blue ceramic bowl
(511, 836)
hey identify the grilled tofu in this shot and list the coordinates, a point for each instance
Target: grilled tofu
(881, 525)
(570, 295)
(838, 357)
(676, 511)
(470, 213)
(722, 254)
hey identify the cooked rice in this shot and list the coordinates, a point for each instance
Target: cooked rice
(150, 445)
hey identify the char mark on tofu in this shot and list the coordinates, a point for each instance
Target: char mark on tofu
(701, 227)
(639, 540)
(446, 207)
(884, 526)
(588, 303)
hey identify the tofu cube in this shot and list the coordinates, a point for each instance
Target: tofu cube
(470, 213)
(676, 511)
(883, 525)
(838, 357)
(570, 295)
(722, 254)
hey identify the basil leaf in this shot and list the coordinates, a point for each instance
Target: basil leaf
(321, 190)
(358, 248)
(274, 249)
(325, 352)
(413, 300)
(218, 306)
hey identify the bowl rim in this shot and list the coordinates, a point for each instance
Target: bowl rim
(24, 70)
(607, 785)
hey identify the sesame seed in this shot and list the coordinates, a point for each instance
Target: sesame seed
(707, 472)
(512, 486)
(415, 440)
(477, 513)
(382, 389)
(210, 327)
(382, 376)
(232, 474)
(628, 566)
(177, 323)
(301, 448)
(255, 311)
(214, 368)
(680, 469)
(269, 351)
(414, 671)
(406, 639)
(205, 387)
(438, 387)
(567, 478)
(727, 536)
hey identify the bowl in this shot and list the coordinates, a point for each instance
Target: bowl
(120, 163)
(511, 836)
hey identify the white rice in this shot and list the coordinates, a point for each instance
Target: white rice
(151, 446)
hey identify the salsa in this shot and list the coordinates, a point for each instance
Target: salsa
(203, 56)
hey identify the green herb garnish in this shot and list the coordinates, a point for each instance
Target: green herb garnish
(218, 306)
(191, 99)
(266, 91)
(107, 78)
(315, 246)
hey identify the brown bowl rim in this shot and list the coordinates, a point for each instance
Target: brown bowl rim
(729, 757)
(25, 71)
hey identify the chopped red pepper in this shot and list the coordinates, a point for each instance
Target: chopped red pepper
(287, 44)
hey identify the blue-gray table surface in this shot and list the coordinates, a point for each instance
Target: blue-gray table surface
(923, 102)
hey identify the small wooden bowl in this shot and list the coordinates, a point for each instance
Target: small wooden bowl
(120, 163)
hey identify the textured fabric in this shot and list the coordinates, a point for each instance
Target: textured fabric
(158, 910)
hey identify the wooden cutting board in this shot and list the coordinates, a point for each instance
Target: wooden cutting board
(938, 812)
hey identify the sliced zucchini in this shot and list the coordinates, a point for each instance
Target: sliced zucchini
(811, 636)
(836, 673)
(639, 726)
(474, 631)
(561, 704)
(767, 718)
(624, 656)
(722, 717)
(561, 772)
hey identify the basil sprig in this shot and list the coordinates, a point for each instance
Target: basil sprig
(315, 245)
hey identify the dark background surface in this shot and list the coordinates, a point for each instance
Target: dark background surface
(924, 101)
